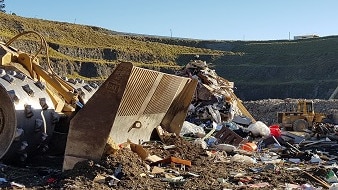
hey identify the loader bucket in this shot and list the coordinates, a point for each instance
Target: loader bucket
(130, 104)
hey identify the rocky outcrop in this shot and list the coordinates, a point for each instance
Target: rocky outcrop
(86, 53)
(85, 69)
(260, 70)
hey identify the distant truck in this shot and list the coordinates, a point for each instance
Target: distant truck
(301, 119)
(305, 37)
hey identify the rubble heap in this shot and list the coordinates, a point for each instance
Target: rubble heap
(220, 146)
(213, 94)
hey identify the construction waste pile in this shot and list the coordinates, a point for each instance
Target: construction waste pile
(220, 146)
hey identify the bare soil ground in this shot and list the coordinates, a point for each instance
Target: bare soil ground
(209, 169)
(212, 173)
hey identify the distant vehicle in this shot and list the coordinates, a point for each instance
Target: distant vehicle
(301, 119)
(305, 37)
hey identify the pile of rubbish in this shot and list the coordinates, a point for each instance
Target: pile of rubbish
(220, 146)
(218, 122)
(222, 130)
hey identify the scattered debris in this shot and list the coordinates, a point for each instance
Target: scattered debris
(220, 146)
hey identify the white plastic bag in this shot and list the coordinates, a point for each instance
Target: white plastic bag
(201, 143)
(259, 129)
(226, 147)
(243, 159)
(188, 127)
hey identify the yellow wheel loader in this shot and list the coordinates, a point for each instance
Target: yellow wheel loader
(129, 105)
(302, 119)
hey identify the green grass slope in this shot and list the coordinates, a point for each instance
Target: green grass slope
(280, 69)
(73, 35)
(260, 69)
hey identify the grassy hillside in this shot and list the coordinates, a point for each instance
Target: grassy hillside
(309, 65)
(260, 69)
(317, 57)
(82, 36)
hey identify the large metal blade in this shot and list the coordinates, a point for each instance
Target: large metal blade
(175, 116)
(90, 127)
(147, 99)
(128, 106)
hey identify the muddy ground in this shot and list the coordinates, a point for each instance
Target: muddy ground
(209, 169)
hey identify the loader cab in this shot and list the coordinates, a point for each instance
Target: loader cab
(306, 107)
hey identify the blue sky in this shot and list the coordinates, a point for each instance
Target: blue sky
(198, 19)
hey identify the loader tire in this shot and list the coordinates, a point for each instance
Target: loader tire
(27, 117)
(300, 125)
